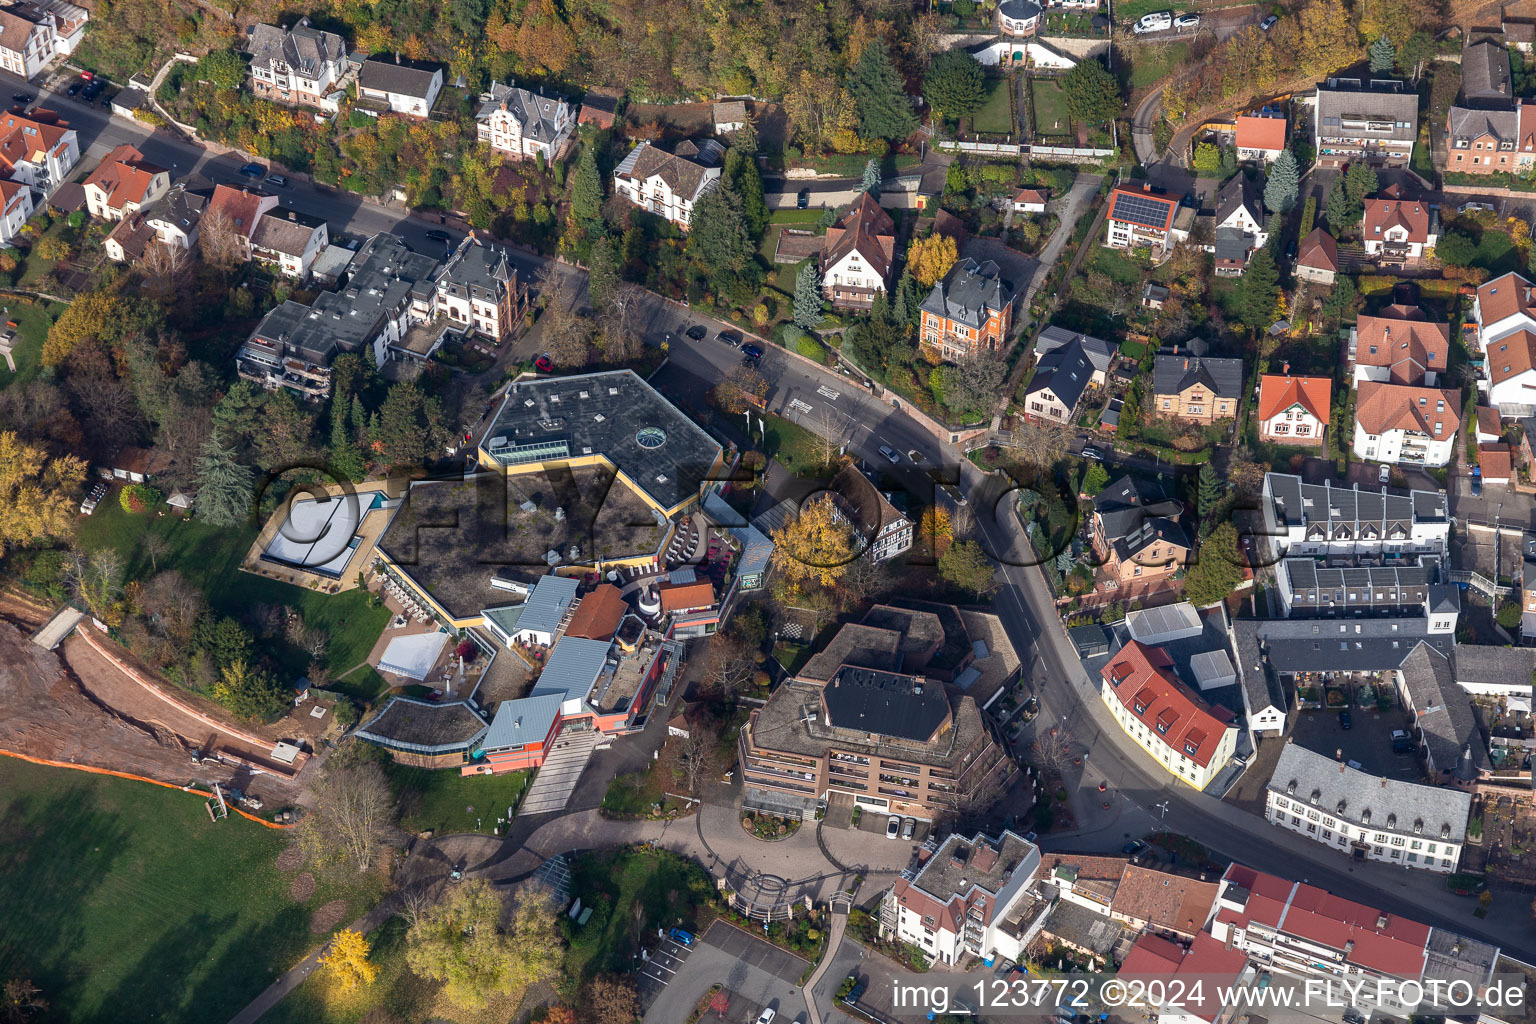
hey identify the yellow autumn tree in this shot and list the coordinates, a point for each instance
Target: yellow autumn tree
(95, 315)
(347, 960)
(36, 492)
(935, 523)
(816, 545)
(930, 258)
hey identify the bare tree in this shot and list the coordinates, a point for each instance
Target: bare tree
(154, 545)
(567, 334)
(165, 268)
(620, 337)
(97, 580)
(174, 603)
(222, 244)
(1041, 444)
(1050, 754)
(863, 577)
(315, 642)
(354, 812)
(21, 1001)
(415, 900)
(268, 619)
(731, 665)
(696, 760)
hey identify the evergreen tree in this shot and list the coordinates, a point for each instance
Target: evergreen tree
(879, 96)
(1359, 182)
(1383, 55)
(872, 178)
(357, 420)
(749, 183)
(587, 190)
(718, 239)
(346, 461)
(899, 311)
(1093, 94)
(223, 485)
(602, 272)
(1210, 490)
(807, 312)
(1228, 162)
(955, 85)
(745, 138)
(1341, 213)
(1284, 183)
(235, 415)
(1254, 297)
(409, 426)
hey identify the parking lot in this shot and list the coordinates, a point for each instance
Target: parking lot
(662, 967)
(753, 973)
(1368, 741)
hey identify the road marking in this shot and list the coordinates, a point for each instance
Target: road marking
(826, 392)
(799, 406)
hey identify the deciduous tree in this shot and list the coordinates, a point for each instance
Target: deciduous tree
(347, 960)
(21, 1001)
(930, 258)
(461, 942)
(610, 1000)
(974, 384)
(93, 316)
(742, 389)
(816, 544)
(966, 566)
(567, 334)
(221, 243)
(37, 492)
(354, 811)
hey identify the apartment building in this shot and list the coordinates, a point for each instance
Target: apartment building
(37, 149)
(1196, 389)
(1375, 121)
(1397, 423)
(954, 903)
(479, 292)
(669, 184)
(300, 65)
(1505, 314)
(1399, 345)
(969, 311)
(1146, 217)
(123, 183)
(1193, 740)
(1397, 228)
(1310, 589)
(1201, 971)
(522, 124)
(15, 208)
(881, 528)
(33, 33)
(1367, 817)
(1136, 531)
(1294, 410)
(1328, 521)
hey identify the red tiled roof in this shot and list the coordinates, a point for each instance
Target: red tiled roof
(1260, 132)
(1032, 195)
(866, 229)
(1525, 136)
(1402, 339)
(681, 596)
(125, 176)
(242, 208)
(1387, 211)
(1169, 205)
(1165, 900)
(1208, 960)
(598, 614)
(1318, 251)
(1495, 462)
(1382, 407)
(1140, 679)
(1277, 394)
(1488, 421)
(1504, 297)
(29, 139)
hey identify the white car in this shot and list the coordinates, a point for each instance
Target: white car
(766, 1017)
(1186, 21)
(893, 827)
(1157, 21)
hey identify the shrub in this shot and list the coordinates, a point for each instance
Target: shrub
(136, 498)
(812, 349)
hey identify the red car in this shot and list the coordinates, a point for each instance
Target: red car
(544, 364)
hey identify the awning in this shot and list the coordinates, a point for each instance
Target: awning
(413, 655)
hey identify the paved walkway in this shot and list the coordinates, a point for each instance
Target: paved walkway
(834, 940)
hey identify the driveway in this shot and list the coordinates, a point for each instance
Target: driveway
(1067, 209)
(755, 974)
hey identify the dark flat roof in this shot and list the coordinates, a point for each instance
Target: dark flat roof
(885, 703)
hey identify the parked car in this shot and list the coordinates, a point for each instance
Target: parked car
(890, 453)
(74, 88)
(1470, 207)
(22, 97)
(1477, 481)
(1187, 21)
(1402, 743)
(1092, 454)
(253, 171)
(1386, 473)
(438, 235)
(752, 351)
(1269, 22)
(94, 89)
(680, 936)
(697, 332)
(731, 338)
(803, 200)
(915, 455)
(1133, 847)
(544, 364)
(766, 1017)
(857, 990)
(893, 826)
(87, 76)
(908, 828)
(1345, 721)
(1157, 21)
(278, 180)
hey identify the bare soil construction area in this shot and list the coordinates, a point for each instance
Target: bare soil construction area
(75, 705)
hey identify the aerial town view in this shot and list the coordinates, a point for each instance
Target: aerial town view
(767, 512)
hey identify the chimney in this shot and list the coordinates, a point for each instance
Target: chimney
(397, 56)
(1286, 369)
(1186, 364)
(1383, 782)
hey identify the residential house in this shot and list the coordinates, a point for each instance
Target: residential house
(289, 241)
(136, 465)
(882, 529)
(1482, 141)
(398, 86)
(124, 182)
(1317, 257)
(1397, 229)
(37, 149)
(1261, 136)
(1505, 314)
(172, 220)
(1399, 346)
(1153, 295)
(857, 255)
(669, 184)
(1495, 463)
(34, 32)
(1206, 972)
(1239, 225)
(1146, 216)
(237, 210)
(598, 110)
(523, 124)
(1031, 200)
(1354, 120)
(1164, 904)
(1402, 423)
(729, 116)
(479, 293)
(1402, 588)
(1136, 533)
(1327, 521)
(1018, 17)
(15, 208)
(1365, 816)
(1067, 365)
(301, 65)
(969, 311)
(1193, 740)
(1485, 78)
(1294, 410)
(955, 903)
(1196, 389)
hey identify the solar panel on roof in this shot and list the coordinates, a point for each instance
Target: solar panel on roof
(1145, 210)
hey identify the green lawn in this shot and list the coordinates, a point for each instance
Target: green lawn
(1116, 265)
(364, 683)
(792, 656)
(632, 892)
(32, 323)
(1153, 61)
(210, 557)
(996, 115)
(123, 902)
(445, 801)
(797, 216)
(1050, 102)
(796, 448)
